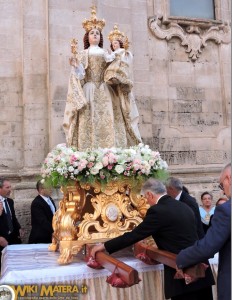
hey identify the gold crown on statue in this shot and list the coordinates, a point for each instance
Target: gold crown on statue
(93, 22)
(116, 34)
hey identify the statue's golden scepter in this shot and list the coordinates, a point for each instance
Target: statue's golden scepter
(74, 45)
(126, 43)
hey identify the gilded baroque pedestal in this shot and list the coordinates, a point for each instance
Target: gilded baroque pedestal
(94, 213)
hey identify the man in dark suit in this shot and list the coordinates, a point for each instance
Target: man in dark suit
(42, 211)
(217, 239)
(10, 229)
(175, 190)
(172, 226)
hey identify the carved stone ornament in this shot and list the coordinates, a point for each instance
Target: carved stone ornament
(193, 37)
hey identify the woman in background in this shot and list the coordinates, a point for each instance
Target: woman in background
(220, 201)
(206, 209)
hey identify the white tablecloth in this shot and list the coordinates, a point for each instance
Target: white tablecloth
(34, 264)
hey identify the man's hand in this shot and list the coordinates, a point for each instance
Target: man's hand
(21, 233)
(3, 242)
(96, 249)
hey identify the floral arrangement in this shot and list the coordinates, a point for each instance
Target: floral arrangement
(64, 164)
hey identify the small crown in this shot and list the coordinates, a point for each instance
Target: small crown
(116, 34)
(93, 22)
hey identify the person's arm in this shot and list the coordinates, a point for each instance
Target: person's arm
(147, 227)
(213, 241)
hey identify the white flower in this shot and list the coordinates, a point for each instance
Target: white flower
(119, 169)
(91, 158)
(94, 171)
(73, 164)
(71, 169)
(98, 165)
(151, 162)
(59, 170)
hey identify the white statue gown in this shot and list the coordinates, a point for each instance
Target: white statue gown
(94, 115)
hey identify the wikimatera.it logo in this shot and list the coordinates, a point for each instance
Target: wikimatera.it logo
(42, 292)
(7, 292)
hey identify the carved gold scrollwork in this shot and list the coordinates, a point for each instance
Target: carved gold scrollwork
(113, 213)
(192, 37)
(66, 219)
(140, 203)
(109, 211)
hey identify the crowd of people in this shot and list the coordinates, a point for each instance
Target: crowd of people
(176, 226)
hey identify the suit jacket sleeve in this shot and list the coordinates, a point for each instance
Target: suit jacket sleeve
(200, 230)
(192, 203)
(149, 226)
(215, 238)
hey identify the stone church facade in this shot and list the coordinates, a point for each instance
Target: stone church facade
(181, 75)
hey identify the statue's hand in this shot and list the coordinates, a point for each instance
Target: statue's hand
(73, 61)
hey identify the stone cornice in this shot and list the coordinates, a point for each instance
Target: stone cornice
(20, 174)
(193, 37)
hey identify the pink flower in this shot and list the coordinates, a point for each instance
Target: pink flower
(112, 158)
(83, 162)
(105, 161)
(73, 158)
(136, 162)
(110, 167)
(137, 167)
(81, 167)
(90, 164)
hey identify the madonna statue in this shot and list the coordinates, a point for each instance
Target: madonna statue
(96, 114)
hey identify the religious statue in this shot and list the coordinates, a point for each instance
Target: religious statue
(98, 111)
(119, 73)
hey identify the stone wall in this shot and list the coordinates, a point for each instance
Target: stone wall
(184, 104)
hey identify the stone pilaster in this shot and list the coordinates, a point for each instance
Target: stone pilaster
(35, 90)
